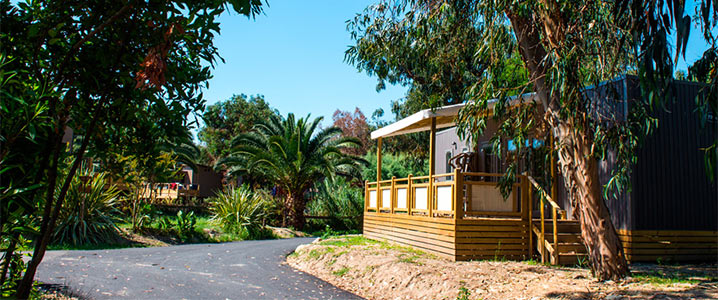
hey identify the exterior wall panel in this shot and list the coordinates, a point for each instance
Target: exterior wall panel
(670, 187)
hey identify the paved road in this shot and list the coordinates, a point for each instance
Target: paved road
(239, 270)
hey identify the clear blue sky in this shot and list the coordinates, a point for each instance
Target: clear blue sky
(293, 54)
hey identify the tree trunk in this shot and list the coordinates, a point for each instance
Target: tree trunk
(296, 210)
(48, 222)
(9, 253)
(578, 165)
(580, 169)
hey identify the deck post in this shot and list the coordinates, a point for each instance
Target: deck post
(458, 195)
(409, 197)
(392, 194)
(542, 241)
(530, 198)
(378, 175)
(554, 181)
(525, 215)
(432, 161)
(555, 236)
(366, 195)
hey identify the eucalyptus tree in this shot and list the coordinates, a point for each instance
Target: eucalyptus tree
(295, 155)
(119, 73)
(435, 57)
(564, 47)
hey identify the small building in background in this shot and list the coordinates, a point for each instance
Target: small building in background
(204, 178)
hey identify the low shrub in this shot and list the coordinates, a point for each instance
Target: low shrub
(186, 223)
(341, 202)
(89, 215)
(242, 211)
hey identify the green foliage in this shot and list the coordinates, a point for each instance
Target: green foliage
(340, 201)
(124, 76)
(434, 52)
(464, 294)
(186, 223)
(341, 271)
(705, 69)
(90, 215)
(437, 72)
(240, 210)
(293, 154)
(399, 165)
(226, 119)
(139, 173)
(348, 241)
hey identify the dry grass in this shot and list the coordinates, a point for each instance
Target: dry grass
(380, 270)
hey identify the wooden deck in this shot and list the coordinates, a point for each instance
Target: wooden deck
(446, 215)
(162, 193)
(460, 216)
(466, 239)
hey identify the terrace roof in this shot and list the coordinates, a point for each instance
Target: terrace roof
(445, 117)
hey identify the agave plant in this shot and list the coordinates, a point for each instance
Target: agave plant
(89, 213)
(240, 210)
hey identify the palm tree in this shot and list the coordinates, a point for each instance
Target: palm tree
(291, 155)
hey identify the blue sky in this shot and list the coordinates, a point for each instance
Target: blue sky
(293, 54)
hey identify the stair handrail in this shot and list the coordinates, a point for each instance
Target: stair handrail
(554, 209)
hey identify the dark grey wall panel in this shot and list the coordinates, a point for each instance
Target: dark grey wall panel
(670, 188)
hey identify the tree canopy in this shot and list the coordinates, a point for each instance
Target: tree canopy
(120, 74)
(564, 46)
(353, 125)
(226, 119)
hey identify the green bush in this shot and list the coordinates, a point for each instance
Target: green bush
(88, 215)
(340, 201)
(399, 165)
(241, 211)
(186, 223)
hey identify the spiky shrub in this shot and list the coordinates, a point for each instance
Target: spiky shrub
(340, 201)
(89, 214)
(241, 211)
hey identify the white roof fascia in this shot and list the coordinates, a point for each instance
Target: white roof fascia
(399, 127)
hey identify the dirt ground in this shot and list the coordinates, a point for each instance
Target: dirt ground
(381, 270)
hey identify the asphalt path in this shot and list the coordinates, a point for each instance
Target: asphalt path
(238, 270)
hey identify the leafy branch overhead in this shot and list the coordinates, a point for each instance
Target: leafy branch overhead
(462, 51)
(123, 76)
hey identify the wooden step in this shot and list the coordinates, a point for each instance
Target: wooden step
(571, 248)
(564, 238)
(572, 258)
(572, 226)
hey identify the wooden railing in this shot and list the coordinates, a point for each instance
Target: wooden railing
(457, 194)
(555, 210)
(163, 192)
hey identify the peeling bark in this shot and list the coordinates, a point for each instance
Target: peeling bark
(580, 168)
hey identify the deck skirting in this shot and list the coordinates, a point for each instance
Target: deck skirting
(669, 245)
(458, 240)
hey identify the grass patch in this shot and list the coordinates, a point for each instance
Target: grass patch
(316, 253)
(341, 271)
(668, 279)
(409, 259)
(101, 246)
(348, 241)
